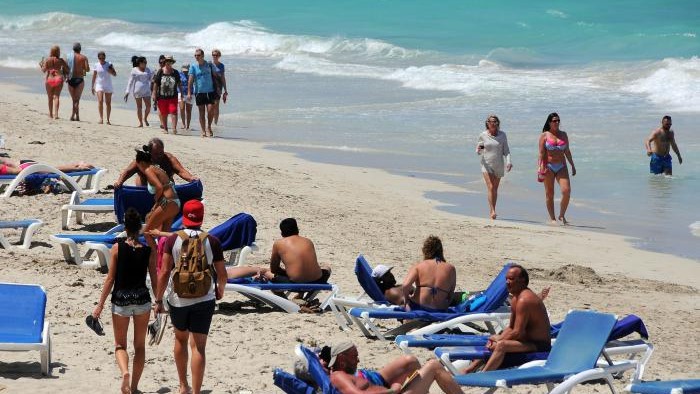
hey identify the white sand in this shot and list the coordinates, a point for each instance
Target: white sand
(346, 211)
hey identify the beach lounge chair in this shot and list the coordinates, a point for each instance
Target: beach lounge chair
(678, 386)
(28, 227)
(263, 292)
(488, 308)
(237, 234)
(78, 207)
(623, 327)
(22, 323)
(457, 358)
(573, 359)
(323, 381)
(99, 244)
(39, 171)
(371, 296)
(290, 384)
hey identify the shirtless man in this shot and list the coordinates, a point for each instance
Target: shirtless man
(347, 378)
(165, 160)
(663, 138)
(529, 326)
(79, 66)
(298, 255)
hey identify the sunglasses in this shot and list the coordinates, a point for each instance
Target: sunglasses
(555, 121)
(214, 55)
(198, 55)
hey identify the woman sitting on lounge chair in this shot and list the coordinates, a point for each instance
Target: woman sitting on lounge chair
(11, 167)
(167, 203)
(434, 280)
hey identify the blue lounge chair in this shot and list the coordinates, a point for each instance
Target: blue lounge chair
(263, 292)
(372, 295)
(290, 384)
(488, 308)
(323, 381)
(28, 227)
(623, 327)
(36, 173)
(22, 323)
(78, 207)
(573, 359)
(237, 234)
(679, 386)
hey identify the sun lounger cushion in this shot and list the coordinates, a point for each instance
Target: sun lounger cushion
(290, 384)
(667, 387)
(237, 232)
(22, 310)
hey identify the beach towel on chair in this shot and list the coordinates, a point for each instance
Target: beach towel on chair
(239, 231)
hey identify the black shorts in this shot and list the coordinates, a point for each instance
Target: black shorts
(205, 98)
(75, 82)
(194, 318)
(325, 274)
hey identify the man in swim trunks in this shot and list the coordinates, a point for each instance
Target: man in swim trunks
(664, 139)
(165, 160)
(79, 66)
(529, 326)
(347, 378)
(298, 255)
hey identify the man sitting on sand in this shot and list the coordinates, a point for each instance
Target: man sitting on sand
(298, 255)
(165, 160)
(402, 375)
(529, 326)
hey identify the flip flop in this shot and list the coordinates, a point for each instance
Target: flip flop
(94, 325)
(163, 317)
(153, 329)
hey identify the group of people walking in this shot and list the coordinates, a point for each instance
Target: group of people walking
(554, 151)
(170, 90)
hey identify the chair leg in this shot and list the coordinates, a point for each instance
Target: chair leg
(28, 234)
(3, 242)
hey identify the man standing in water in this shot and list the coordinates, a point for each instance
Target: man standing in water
(664, 139)
(79, 66)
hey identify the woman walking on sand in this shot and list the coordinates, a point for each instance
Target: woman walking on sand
(126, 280)
(139, 86)
(221, 90)
(554, 152)
(492, 145)
(56, 70)
(102, 84)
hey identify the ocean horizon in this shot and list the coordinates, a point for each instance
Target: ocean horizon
(406, 86)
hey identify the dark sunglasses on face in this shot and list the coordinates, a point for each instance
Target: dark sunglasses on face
(555, 121)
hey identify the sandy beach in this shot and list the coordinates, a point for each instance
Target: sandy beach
(345, 211)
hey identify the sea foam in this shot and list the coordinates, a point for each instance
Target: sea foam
(672, 83)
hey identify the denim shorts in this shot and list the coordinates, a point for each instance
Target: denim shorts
(131, 310)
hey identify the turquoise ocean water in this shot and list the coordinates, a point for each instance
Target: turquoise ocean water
(405, 86)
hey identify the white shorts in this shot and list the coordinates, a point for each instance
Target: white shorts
(181, 98)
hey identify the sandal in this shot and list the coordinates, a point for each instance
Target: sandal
(94, 325)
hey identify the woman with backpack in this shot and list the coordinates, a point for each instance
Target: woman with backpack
(126, 280)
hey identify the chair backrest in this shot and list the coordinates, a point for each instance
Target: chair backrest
(363, 271)
(139, 198)
(318, 373)
(290, 384)
(580, 341)
(238, 231)
(493, 297)
(22, 310)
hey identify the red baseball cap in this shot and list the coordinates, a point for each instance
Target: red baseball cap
(193, 213)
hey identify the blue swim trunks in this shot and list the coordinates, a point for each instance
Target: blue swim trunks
(371, 376)
(658, 164)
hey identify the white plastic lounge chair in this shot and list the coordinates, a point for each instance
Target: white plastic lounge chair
(97, 244)
(574, 359)
(263, 292)
(488, 308)
(28, 227)
(78, 207)
(71, 179)
(678, 386)
(22, 323)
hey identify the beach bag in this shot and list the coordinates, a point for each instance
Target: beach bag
(541, 170)
(192, 277)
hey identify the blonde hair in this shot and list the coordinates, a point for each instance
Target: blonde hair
(216, 52)
(492, 116)
(55, 51)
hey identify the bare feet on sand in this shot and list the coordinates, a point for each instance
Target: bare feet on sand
(126, 388)
(185, 389)
(563, 220)
(545, 293)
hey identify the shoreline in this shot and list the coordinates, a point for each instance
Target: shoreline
(345, 211)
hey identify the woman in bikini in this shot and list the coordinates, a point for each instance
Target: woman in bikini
(167, 203)
(554, 152)
(56, 70)
(434, 279)
(11, 167)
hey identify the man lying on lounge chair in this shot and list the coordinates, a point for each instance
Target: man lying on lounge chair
(295, 252)
(529, 328)
(403, 374)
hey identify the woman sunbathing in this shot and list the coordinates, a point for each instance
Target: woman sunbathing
(11, 167)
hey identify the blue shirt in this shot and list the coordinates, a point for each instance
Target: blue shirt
(202, 77)
(183, 81)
